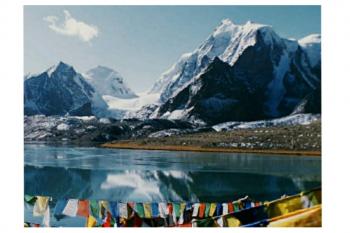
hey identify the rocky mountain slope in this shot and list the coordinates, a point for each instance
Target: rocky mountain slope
(60, 90)
(242, 73)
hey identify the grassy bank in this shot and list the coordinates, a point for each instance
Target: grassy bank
(291, 140)
(133, 145)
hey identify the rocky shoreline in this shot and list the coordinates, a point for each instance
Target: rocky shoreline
(294, 140)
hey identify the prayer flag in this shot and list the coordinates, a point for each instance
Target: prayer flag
(123, 210)
(162, 209)
(207, 209)
(155, 211)
(201, 210)
(310, 217)
(218, 209)
(113, 206)
(29, 199)
(176, 207)
(147, 210)
(212, 209)
(170, 208)
(60, 204)
(230, 207)
(91, 221)
(40, 205)
(46, 219)
(139, 210)
(94, 208)
(224, 208)
(235, 206)
(71, 208)
(220, 222)
(107, 220)
(195, 210)
(232, 221)
(104, 207)
(83, 208)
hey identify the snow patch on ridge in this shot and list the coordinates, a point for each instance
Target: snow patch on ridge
(298, 119)
(312, 45)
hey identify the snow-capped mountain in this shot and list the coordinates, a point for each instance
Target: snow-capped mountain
(312, 45)
(60, 90)
(240, 73)
(107, 81)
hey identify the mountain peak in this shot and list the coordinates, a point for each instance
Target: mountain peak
(60, 66)
(107, 81)
(227, 21)
(253, 25)
(312, 38)
(312, 46)
(102, 67)
(101, 71)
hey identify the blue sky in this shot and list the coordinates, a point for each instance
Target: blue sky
(141, 42)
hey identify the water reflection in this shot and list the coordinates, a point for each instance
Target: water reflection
(112, 159)
(156, 185)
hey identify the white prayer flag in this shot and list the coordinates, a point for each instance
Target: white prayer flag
(46, 219)
(195, 210)
(162, 207)
(123, 210)
(224, 208)
(71, 208)
(220, 222)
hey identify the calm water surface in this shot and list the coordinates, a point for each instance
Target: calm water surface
(140, 175)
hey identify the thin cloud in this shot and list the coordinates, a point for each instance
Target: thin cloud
(72, 27)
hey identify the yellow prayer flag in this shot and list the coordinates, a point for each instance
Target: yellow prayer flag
(311, 217)
(212, 209)
(91, 221)
(182, 207)
(147, 210)
(284, 206)
(232, 221)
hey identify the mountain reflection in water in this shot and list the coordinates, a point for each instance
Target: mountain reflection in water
(139, 176)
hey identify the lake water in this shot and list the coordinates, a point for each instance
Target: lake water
(140, 175)
(154, 176)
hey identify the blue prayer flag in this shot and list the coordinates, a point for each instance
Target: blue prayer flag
(113, 206)
(155, 209)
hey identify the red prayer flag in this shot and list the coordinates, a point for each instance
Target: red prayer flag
(83, 208)
(230, 207)
(201, 210)
(107, 220)
(170, 208)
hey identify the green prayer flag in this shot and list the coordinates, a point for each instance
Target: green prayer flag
(176, 207)
(29, 199)
(95, 209)
(235, 206)
(139, 210)
(207, 209)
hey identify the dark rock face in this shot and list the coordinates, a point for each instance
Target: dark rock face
(58, 93)
(311, 103)
(243, 92)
